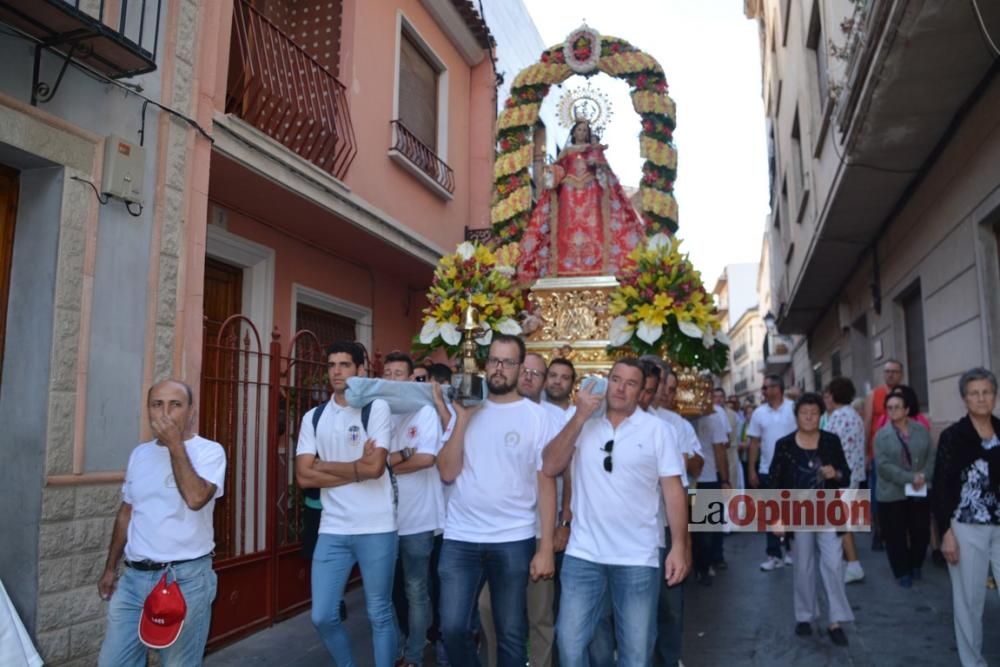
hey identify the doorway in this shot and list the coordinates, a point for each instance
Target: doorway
(9, 185)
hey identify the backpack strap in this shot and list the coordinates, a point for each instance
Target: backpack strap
(317, 413)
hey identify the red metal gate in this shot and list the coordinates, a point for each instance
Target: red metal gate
(252, 402)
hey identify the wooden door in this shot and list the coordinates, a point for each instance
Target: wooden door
(8, 213)
(223, 298)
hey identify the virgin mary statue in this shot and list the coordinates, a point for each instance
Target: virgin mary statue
(583, 224)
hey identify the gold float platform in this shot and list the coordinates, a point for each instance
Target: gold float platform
(576, 323)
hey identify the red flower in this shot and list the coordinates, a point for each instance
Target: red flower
(510, 103)
(504, 145)
(615, 47)
(647, 126)
(581, 54)
(545, 57)
(640, 81)
(662, 86)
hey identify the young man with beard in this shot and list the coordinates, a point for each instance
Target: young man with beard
(622, 463)
(494, 458)
(559, 382)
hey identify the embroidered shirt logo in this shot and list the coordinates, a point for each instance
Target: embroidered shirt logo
(354, 434)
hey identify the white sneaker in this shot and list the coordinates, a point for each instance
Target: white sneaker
(788, 559)
(772, 563)
(711, 571)
(853, 572)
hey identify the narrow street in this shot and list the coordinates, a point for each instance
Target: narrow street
(744, 618)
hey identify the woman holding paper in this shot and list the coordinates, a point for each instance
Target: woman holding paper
(904, 461)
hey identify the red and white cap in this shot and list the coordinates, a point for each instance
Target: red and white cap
(162, 615)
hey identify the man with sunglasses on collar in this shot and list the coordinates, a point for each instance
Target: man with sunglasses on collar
(494, 458)
(623, 462)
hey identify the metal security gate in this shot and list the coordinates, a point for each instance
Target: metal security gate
(252, 402)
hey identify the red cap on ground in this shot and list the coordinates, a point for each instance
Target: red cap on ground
(162, 615)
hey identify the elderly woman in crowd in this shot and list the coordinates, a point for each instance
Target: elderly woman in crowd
(966, 502)
(904, 461)
(809, 458)
(844, 421)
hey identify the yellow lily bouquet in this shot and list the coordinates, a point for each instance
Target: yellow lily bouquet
(661, 307)
(473, 273)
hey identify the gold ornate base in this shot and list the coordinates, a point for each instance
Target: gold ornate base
(574, 323)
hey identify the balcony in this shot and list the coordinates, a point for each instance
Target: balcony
(116, 39)
(419, 159)
(739, 353)
(277, 87)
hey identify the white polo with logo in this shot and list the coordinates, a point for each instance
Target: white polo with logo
(495, 495)
(421, 499)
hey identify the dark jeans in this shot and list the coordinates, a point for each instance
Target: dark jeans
(669, 618)
(773, 541)
(905, 533)
(463, 567)
(707, 547)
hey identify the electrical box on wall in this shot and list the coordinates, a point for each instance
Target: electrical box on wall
(124, 165)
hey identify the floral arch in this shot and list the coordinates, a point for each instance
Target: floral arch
(585, 52)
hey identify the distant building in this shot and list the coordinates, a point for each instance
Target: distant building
(735, 294)
(885, 193)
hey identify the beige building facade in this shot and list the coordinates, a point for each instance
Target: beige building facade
(883, 235)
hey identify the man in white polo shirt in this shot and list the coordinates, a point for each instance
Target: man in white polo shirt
(164, 525)
(344, 454)
(771, 421)
(416, 439)
(622, 463)
(494, 457)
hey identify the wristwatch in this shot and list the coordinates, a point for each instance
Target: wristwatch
(563, 524)
(406, 453)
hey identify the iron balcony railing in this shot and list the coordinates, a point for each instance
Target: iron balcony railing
(421, 155)
(277, 87)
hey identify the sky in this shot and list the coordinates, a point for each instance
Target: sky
(711, 55)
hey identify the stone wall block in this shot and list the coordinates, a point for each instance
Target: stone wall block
(88, 568)
(97, 501)
(65, 347)
(177, 148)
(86, 638)
(59, 445)
(55, 574)
(93, 534)
(53, 646)
(58, 502)
(173, 222)
(56, 539)
(166, 293)
(187, 35)
(58, 610)
(163, 362)
(72, 244)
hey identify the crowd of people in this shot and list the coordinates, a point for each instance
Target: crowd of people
(549, 524)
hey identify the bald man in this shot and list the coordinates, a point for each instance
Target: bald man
(164, 527)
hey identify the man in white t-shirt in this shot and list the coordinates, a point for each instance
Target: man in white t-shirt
(344, 455)
(713, 434)
(772, 420)
(416, 439)
(622, 463)
(165, 521)
(670, 610)
(494, 458)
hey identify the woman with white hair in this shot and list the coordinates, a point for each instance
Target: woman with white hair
(966, 505)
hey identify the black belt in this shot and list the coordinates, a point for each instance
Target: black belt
(152, 566)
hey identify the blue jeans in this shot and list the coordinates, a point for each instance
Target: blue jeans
(669, 618)
(463, 567)
(415, 557)
(122, 648)
(634, 591)
(335, 555)
(773, 541)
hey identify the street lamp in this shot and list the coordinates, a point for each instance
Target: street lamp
(770, 323)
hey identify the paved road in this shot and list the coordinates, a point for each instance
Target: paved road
(744, 618)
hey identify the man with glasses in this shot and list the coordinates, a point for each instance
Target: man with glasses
(772, 420)
(494, 458)
(623, 462)
(416, 438)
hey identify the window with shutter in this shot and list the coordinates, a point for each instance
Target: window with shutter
(417, 92)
